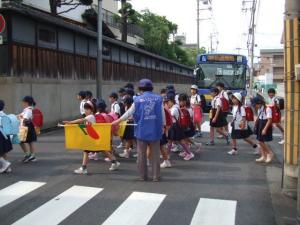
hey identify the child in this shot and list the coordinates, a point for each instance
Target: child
(240, 128)
(225, 104)
(5, 145)
(82, 98)
(176, 133)
(263, 129)
(272, 101)
(102, 117)
(217, 118)
(89, 110)
(129, 130)
(115, 108)
(196, 106)
(26, 119)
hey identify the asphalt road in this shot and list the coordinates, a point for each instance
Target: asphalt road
(212, 176)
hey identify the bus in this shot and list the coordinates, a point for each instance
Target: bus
(229, 69)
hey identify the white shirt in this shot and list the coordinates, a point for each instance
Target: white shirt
(271, 101)
(238, 116)
(224, 94)
(175, 113)
(90, 119)
(216, 102)
(264, 113)
(1, 114)
(82, 106)
(115, 108)
(195, 99)
(27, 113)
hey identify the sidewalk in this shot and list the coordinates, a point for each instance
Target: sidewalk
(285, 208)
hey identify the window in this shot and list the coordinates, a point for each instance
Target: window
(171, 68)
(106, 50)
(47, 36)
(157, 64)
(137, 58)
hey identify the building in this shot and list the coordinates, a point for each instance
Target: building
(110, 9)
(182, 39)
(270, 69)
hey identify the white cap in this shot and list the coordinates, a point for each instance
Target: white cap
(194, 87)
(238, 96)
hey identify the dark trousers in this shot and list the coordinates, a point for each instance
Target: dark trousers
(142, 158)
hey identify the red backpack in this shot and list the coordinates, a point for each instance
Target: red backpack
(185, 118)
(100, 118)
(37, 117)
(249, 113)
(276, 114)
(168, 117)
(225, 104)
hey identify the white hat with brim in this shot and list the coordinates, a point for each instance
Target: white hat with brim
(238, 96)
(194, 87)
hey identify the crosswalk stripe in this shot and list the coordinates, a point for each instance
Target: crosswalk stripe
(214, 211)
(59, 208)
(17, 190)
(206, 128)
(137, 209)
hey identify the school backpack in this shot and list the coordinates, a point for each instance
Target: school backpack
(9, 124)
(100, 118)
(225, 104)
(185, 118)
(276, 115)
(37, 117)
(249, 113)
(168, 117)
(110, 118)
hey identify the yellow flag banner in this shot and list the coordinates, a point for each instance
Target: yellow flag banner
(121, 130)
(96, 137)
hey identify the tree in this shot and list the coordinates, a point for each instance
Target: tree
(54, 4)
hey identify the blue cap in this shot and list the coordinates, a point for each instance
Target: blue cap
(256, 100)
(214, 90)
(28, 99)
(82, 94)
(114, 95)
(145, 83)
(101, 104)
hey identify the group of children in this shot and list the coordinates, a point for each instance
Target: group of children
(183, 120)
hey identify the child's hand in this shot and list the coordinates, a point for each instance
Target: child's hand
(214, 120)
(116, 122)
(66, 122)
(264, 132)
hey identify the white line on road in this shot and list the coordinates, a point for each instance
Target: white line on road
(59, 208)
(17, 190)
(137, 209)
(214, 212)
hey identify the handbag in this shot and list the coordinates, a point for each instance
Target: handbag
(23, 132)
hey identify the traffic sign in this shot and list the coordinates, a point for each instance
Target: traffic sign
(2, 23)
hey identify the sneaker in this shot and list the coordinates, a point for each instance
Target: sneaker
(182, 154)
(93, 156)
(135, 155)
(120, 145)
(5, 167)
(32, 159)
(125, 154)
(80, 170)
(269, 158)
(107, 159)
(189, 157)
(114, 166)
(232, 152)
(281, 142)
(175, 148)
(166, 164)
(261, 159)
(211, 143)
(26, 158)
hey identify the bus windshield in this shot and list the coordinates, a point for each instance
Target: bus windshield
(233, 75)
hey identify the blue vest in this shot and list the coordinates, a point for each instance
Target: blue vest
(148, 117)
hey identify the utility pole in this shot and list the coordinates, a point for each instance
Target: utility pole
(198, 26)
(99, 79)
(291, 186)
(252, 46)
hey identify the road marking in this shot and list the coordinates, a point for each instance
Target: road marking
(17, 190)
(206, 128)
(214, 211)
(137, 209)
(59, 208)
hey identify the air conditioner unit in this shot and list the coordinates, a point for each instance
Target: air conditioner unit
(297, 72)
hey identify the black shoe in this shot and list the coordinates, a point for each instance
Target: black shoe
(32, 159)
(26, 158)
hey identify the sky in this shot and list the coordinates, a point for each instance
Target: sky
(229, 22)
